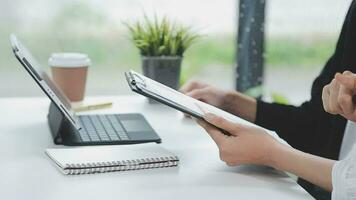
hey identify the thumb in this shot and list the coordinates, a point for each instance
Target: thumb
(232, 128)
(347, 79)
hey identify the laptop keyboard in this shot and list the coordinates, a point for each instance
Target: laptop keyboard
(96, 128)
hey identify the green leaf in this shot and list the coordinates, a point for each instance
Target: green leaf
(279, 98)
(155, 37)
(255, 91)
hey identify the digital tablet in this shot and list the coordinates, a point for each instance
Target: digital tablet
(170, 97)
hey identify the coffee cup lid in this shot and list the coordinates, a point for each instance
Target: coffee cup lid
(69, 60)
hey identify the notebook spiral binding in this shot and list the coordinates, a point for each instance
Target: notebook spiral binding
(102, 167)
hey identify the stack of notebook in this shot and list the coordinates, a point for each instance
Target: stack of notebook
(99, 159)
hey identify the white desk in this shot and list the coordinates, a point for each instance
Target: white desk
(26, 172)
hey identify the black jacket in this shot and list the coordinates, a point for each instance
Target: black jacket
(308, 127)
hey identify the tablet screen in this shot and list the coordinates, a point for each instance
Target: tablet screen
(43, 80)
(168, 94)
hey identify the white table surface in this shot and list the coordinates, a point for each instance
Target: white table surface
(27, 173)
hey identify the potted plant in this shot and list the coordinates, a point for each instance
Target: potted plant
(162, 44)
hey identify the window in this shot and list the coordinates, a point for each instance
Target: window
(299, 39)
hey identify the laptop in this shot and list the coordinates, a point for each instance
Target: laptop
(70, 129)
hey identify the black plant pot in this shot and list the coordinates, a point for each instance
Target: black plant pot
(163, 69)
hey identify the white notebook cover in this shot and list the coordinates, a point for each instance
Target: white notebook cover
(94, 159)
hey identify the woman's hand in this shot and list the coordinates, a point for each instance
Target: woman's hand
(230, 101)
(338, 95)
(205, 93)
(252, 145)
(248, 145)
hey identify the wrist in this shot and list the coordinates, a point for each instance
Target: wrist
(240, 105)
(275, 151)
(229, 99)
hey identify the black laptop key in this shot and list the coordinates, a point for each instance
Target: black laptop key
(94, 136)
(114, 137)
(96, 123)
(123, 136)
(108, 128)
(115, 123)
(105, 122)
(110, 131)
(99, 128)
(105, 138)
(112, 134)
(83, 135)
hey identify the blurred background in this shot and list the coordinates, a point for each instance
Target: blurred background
(300, 36)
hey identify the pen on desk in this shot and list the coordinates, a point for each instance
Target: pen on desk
(92, 107)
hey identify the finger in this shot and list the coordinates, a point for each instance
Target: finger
(203, 110)
(214, 133)
(191, 85)
(232, 128)
(345, 100)
(353, 118)
(347, 79)
(333, 100)
(347, 72)
(325, 97)
(199, 94)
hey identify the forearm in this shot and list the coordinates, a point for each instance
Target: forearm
(314, 169)
(240, 105)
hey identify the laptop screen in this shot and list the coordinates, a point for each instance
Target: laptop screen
(43, 80)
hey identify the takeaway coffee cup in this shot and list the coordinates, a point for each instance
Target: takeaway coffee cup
(69, 72)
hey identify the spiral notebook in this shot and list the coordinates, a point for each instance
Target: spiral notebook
(100, 159)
